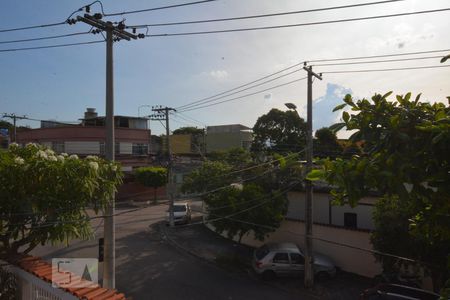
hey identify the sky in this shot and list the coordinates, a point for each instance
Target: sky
(61, 83)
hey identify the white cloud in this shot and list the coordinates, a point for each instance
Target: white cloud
(218, 74)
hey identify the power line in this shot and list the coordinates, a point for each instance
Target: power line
(376, 61)
(188, 117)
(265, 15)
(33, 27)
(301, 63)
(384, 70)
(45, 38)
(376, 56)
(51, 46)
(156, 8)
(243, 96)
(298, 24)
(241, 90)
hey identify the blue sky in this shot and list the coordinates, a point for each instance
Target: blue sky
(60, 83)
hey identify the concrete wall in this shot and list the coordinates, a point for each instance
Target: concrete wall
(359, 261)
(181, 143)
(326, 213)
(348, 259)
(227, 140)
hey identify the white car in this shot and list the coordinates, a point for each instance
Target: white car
(181, 213)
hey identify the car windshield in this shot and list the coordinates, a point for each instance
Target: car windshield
(262, 252)
(179, 208)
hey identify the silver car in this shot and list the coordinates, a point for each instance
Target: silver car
(286, 259)
(181, 213)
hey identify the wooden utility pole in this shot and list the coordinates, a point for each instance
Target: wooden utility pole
(162, 114)
(14, 117)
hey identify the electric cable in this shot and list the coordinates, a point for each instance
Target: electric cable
(297, 24)
(263, 15)
(243, 96)
(50, 46)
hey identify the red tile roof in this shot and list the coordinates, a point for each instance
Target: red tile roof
(87, 291)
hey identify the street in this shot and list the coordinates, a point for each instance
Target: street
(147, 267)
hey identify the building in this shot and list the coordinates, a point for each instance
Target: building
(224, 137)
(132, 138)
(187, 144)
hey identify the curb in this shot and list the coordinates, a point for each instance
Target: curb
(248, 273)
(166, 236)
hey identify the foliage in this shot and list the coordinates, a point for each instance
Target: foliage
(8, 284)
(240, 211)
(326, 144)
(44, 196)
(406, 146)
(189, 130)
(280, 132)
(235, 157)
(211, 175)
(154, 177)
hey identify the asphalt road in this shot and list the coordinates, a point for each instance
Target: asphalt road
(147, 267)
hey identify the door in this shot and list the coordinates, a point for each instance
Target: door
(281, 264)
(297, 264)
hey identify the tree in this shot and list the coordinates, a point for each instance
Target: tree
(209, 176)
(405, 158)
(235, 157)
(44, 196)
(280, 132)
(189, 130)
(154, 177)
(326, 144)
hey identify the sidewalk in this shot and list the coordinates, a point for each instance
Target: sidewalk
(208, 246)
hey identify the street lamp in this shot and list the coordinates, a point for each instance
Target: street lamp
(291, 106)
(309, 277)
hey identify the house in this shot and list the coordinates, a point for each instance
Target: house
(132, 138)
(224, 137)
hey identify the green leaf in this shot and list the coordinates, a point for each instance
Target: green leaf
(315, 175)
(386, 95)
(345, 116)
(336, 127)
(417, 98)
(407, 97)
(340, 106)
(348, 99)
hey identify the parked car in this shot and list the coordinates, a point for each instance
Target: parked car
(181, 213)
(286, 259)
(397, 292)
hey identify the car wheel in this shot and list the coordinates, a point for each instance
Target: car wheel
(268, 275)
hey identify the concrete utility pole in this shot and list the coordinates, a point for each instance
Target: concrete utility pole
(113, 33)
(309, 274)
(14, 117)
(162, 113)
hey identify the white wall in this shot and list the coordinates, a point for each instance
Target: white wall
(83, 147)
(321, 210)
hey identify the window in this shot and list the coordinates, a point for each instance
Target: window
(102, 148)
(281, 258)
(140, 149)
(117, 149)
(58, 147)
(297, 259)
(261, 252)
(350, 220)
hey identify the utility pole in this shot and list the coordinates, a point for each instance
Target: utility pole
(14, 117)
(113, 33)
(309, 274)
(162, 114)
